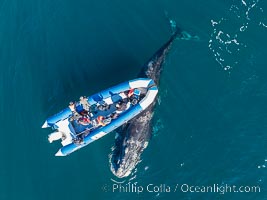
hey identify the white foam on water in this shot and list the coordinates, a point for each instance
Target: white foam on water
(244, 3)
(243, 28)
(227, 67)
(221, 43)
(224, 43)
(132, 178)
(263, 165)
(213, 23)
(262, 24)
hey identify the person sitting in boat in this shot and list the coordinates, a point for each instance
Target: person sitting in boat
(84, 113)
(72, 106)
(134, 101)
(102, 105)
(100, 120)
(84, 103)
(130, 93)
(121, 106)
(103, 121)
(84, 121)
(114, 115)
(133, 96)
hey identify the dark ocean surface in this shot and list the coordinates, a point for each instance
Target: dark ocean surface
(210, 126)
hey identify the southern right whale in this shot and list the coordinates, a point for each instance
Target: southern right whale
(132, 138)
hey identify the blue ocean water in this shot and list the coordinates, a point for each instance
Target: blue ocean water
(209, 127)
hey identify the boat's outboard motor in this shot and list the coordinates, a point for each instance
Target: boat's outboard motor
(55, 136)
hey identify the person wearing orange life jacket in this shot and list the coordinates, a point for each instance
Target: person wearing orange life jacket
(100, 120)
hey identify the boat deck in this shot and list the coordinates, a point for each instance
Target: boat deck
(91, 122)
(80, 128)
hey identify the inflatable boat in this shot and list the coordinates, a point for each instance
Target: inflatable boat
(93, 117)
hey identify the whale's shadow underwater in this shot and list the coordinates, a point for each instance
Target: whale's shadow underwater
(132, 138)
